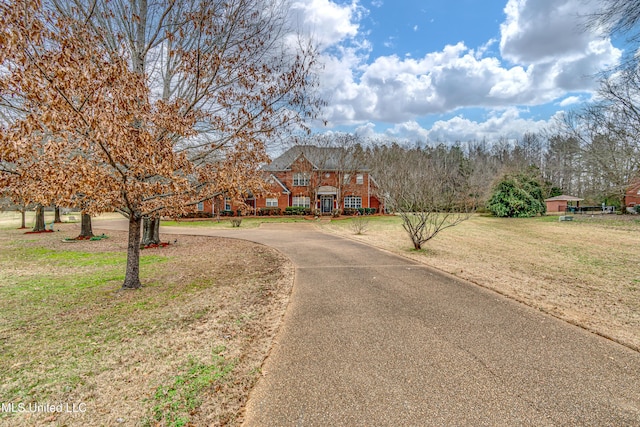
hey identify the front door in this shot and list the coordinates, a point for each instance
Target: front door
(326, 202)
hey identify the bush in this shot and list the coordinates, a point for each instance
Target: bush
(519, 195)
(366, 211)
(197, 215)
(359, 225)
(226, 213)
(269, 211)
(297, 210)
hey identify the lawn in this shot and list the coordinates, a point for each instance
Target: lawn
(584, 271)
(183, 350)
(225, 222)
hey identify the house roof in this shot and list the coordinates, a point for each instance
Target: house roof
(563, 198)
(322, 158)
(275, 179)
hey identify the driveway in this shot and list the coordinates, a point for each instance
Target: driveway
(373, 339)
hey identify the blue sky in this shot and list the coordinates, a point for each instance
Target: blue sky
(457, 70)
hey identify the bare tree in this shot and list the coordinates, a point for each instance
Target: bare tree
(428, 188)
(620, 17)
(609, 152)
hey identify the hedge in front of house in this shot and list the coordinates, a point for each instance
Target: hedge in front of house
(359, 211)
(297, 210)
(197, 215)
(269, 211)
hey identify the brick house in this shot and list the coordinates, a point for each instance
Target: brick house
(321, 179)
(632, 195)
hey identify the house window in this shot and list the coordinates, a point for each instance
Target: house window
(300, 179)
(347, 178)
(272, 203)
(301, 201)
(227, 204)
(360, 179)
(354, 202)
(200, 206)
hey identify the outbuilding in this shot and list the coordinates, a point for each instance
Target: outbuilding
(562, 203)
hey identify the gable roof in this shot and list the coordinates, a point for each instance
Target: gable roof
(322, 158)
(275, 179)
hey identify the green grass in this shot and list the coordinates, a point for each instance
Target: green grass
(174, 402)
(56, 304)
(247, 222)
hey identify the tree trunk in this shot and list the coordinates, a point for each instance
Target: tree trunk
(39, 224)
(132, 276)
(23, 214)
(151, 231)
(85, 227)
(57, 219)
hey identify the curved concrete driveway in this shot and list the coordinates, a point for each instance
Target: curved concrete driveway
(373, 339)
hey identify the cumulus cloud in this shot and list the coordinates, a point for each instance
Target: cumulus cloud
(500, 124)
(543, 56)
(543, 30)
(329, 23)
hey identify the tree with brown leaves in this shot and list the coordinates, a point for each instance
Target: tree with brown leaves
(89, 128)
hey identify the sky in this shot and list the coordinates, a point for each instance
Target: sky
(453, 70)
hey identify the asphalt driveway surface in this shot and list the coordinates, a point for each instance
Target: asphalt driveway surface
(373, 339)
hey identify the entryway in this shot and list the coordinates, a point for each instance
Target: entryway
(326, 204)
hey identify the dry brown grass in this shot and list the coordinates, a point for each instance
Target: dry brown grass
(69, 335)
(585, 272)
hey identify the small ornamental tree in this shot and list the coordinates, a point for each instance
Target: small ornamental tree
(518, 195)
(429, 189)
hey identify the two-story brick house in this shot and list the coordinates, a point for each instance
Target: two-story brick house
(322, 179)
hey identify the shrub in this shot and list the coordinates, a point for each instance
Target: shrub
(350, 211)
(297, 210)
(366, 211)
(359, 225)
(518, 195)
(197, 215)
(269, 211)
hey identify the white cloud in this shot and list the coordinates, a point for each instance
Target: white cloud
(548, 32)
(499, 124)
(548, 56)
(328, 22)
(570, 100)
(506, 123)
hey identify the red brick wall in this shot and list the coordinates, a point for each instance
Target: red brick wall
(632, 197)
(317, 179)
(556, 206)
